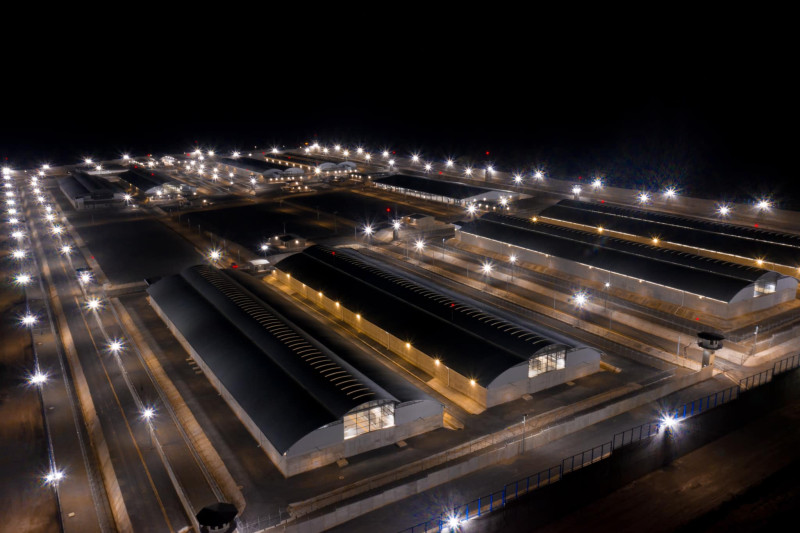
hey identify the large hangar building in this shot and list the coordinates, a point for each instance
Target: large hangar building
(305, 405)
(712, 286)
(473, 353)
(447, 192)
(748, 245)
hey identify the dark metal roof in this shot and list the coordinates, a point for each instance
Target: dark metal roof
(703, 276)
(743, 241)
(82, 185)
(469, 341)
(143, 179)
(448, 189)
(251, 165)
(287, 383)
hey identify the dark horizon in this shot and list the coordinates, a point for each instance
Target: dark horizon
(709, 135)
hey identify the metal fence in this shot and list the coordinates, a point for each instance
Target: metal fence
(704, 404)
(449, 520)
(635, 434)
(586, 457)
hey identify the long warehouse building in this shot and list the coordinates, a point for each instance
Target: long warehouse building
(448, 192)
(745, 244)
(471, 352)
(305, 405)
(716, 287)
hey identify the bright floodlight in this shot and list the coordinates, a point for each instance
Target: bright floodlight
(580, 298)
(428, 167)
(93, 304)
(125, 157)
(115, 345)
(18, 254)
(517, 178)
(490, 169)
(12, 211)
(669, 422)
(368, 157)
(539, 175)
(670, 192)
(317, 170)
(28, 320)
(419, 245)
(368, 230)
(13, 220)
(235, 155)
(449, 163)
(576, 190)
(18, 235)
(215, 254)
(468, 171)
(385, 153)
(264, 247)
(53, 477)
(643, 197)
(512, 259)
(66, 249)
(37, 378)
(252, 181)
(336, 147)
(471, 209)
(723, 210)
(85, 277)
(148, 413)
(57, 230)
(487, 268)
(49, 217)
(48, 208)
(452, 523)
(391, 162)
(415, 158)
(127, 197)
(359, 150)
(763, 204)
(211, 153)
(597, 183)
(396, 224)
(22, 279)
(88, 161)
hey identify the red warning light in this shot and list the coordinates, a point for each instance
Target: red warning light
(697, 318)
(333, 253)
(452, 305)
(602, 201)
(388, 209)
(440, 172)
(756, 224)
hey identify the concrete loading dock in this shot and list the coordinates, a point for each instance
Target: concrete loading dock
(305, 405)
(711, 286)
(471, 353)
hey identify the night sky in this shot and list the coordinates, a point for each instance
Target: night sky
(713, 114)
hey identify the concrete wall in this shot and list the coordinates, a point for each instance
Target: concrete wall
(506, 452)
(639, 287)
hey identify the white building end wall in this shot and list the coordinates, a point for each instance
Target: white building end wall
(515, 382)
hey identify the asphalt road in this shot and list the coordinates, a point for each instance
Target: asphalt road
(149, 494)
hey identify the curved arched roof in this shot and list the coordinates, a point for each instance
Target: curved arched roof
(471, 342)
(289, 384)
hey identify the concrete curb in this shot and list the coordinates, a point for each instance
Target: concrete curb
(199, 439)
